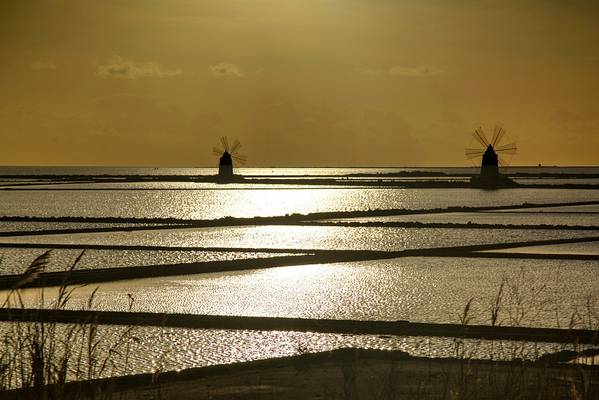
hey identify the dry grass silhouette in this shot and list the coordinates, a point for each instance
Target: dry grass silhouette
(41, 357)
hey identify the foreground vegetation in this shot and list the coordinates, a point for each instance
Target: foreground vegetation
(40, 357)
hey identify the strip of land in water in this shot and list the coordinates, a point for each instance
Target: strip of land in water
(354, 327)
(306, 256)
(349, 224)
(378, 180)
(294, 218)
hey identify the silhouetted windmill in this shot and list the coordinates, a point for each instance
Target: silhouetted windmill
(491, 152)
(229, 157)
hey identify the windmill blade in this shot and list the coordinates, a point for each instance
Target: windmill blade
(217, 152)
(479, 135)
(498, 134)
(235, 147)
(502, 161)
(473, 153)
(509, 148)
(225, 142)
(239, 159)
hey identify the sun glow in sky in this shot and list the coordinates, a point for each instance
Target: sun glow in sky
(299, 83)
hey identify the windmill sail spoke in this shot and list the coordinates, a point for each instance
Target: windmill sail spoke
(239, 158)
(236, 146)
(225, 143)
(492, 156)
(479, 135)
(229, 160)
(473, 153)
(498, 134)
(471, 156)
(502, 161)
(509, 148)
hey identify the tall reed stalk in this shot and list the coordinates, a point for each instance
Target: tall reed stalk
(41, 357)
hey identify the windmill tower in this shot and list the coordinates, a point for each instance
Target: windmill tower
(490, 152)
(228, 157)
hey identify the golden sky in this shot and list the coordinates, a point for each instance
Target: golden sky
(298, 82)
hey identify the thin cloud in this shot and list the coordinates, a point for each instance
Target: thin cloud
(120, 68)
(226, 70)
(418, 71)
(43, 64)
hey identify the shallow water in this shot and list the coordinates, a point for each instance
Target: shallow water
(24, 226)
(211, 204)
(490, 217)
(16, 261)
(305, 237)
(543, 293)
(574, 209)
(168, 185)
(558, 181)
(152, 349)
(589, 248)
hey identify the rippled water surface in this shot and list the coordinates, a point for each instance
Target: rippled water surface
(16, 261)
(168, 185)
(590, 248)
(544, 293)
(210, 204)
(491, 217)
(24, 226)
(306, 237)
(151, 349)
(574, 209)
